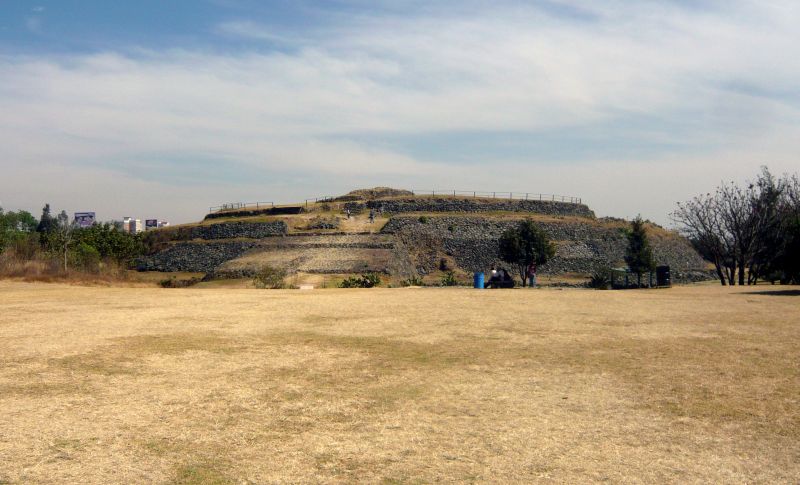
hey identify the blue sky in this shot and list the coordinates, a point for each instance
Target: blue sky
(161, 109)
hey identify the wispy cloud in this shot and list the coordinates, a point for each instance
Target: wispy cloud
(636, 94)
(252, 30)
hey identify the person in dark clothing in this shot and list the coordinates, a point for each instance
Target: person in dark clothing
(493, 278)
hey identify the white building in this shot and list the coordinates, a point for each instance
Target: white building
(132, 226)
(137, 226)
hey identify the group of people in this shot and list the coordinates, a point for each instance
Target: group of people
(500, 278)
(371, 214)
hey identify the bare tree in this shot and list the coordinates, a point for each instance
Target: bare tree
(66, 231)
(739, 228)
(765, 221)
(700, 221)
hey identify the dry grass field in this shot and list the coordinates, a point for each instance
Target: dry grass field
(145, 385)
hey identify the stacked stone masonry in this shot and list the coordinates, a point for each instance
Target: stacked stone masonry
(581, 247)
(194, 257)
(329, 253)
(470, 205)
(231, 230)
(417, 244)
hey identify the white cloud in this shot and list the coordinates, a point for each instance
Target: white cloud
(300, 115)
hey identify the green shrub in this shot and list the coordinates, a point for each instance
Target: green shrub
(270, 278)
(86, 257)
(173, 282)
(600, 280)
(449, 279)
(413, 281)
(423, 219)
(366, 280)
(372, 279)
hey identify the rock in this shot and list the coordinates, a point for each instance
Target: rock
(323, 223)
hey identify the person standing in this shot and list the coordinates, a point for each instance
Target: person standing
(371, 216)
(532, 275)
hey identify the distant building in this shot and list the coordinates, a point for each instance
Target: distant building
(135, 226)
(132, 226)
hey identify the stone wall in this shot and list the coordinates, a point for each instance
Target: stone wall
(581, 247)
(420, 243)
(470, 205)
(270, 211)
(329, 253)
(231, 230)
(194, 257)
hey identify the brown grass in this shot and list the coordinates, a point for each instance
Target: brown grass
(143, 385)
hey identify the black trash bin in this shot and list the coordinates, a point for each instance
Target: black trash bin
(662, 276)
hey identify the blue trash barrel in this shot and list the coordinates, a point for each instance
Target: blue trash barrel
(477, 280)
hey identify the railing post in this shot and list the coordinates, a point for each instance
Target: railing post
(494, 195)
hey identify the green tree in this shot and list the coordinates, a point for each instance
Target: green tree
(15, 227)
(111, 242)
(639, 255)
(524, 245)
(47, 223)
(87, 257)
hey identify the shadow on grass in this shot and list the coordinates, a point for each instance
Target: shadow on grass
(775, 293)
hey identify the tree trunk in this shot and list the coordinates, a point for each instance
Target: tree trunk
(638, 280)
(741, 272)
(65, 260)
(752, 275)
(720, 274)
